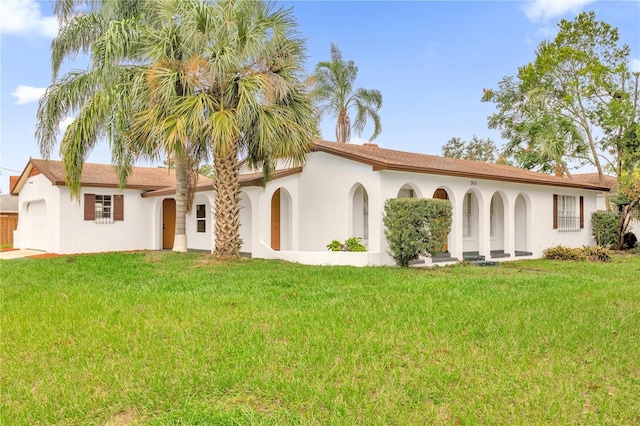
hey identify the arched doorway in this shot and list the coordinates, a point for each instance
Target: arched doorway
(496, 225)
(520, 232)
(441, 194)
(281, 220)
(168, 222)
(360, 213)
(408, 191)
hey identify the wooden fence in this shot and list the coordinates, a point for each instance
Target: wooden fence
(8, 224)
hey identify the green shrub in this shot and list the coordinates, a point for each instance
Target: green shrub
(416, 227)
(593, 254)
(351, 244)
(334, 245)
(604, 228)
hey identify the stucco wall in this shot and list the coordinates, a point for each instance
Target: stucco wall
(36, 189)
(322, 208)
(77, 235)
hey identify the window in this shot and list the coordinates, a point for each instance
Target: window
(466, 215)
(201, 217)
(568, 213)
(103, 208)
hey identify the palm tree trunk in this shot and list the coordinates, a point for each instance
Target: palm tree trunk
(182, 187)
(227, 211)
(342, 127)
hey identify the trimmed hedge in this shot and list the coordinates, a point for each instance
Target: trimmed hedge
(416, 227)
(604, 228)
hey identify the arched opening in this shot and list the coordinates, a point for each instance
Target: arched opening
(441, 194)
(360, 213)
(281, 220)
(496, 225)
(408, 191)
(520, 232)
(470, 224)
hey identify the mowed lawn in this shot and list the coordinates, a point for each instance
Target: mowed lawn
(163, 338)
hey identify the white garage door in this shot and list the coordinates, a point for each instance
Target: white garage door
(37, 225)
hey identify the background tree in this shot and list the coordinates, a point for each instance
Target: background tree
(553, 112)
(476, 149)
(336, 96)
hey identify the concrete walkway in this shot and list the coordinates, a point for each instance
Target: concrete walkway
(17, 254)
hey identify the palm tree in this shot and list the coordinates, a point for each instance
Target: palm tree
(134, 57)
(334, 91)
(254, 102)
(187, 78)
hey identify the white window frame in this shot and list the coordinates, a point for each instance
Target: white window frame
(103, 207)
(568, 215)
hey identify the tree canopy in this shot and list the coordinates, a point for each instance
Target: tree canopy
(477, 149)
(569, 106)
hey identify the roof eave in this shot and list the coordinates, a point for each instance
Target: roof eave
(440, 172)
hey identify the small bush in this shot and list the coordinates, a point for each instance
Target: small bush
(604, 228)
(334, 245)
(351, 244)
(597, 253)
(592, 254)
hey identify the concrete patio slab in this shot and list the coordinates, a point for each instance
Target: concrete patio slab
(18, 254)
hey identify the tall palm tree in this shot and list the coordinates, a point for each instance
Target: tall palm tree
(135, 56)
(335, 93)
(253, 103)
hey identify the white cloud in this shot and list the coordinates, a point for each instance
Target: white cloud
(65, 123)
(26, 94)
(634, 65)
(24, 18)
(544, 10)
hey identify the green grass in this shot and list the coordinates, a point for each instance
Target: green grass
(161, 338)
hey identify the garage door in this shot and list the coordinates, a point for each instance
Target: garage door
(37, 225)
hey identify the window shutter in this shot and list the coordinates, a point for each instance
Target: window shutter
(89, 206)
(555, 211)
(581, 212)
(118, 207)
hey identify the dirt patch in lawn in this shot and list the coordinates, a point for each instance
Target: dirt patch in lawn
(45, 255)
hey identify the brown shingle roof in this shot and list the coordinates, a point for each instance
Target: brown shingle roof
(594, 179)
(249, 179)
(99, 175)
(387, 159)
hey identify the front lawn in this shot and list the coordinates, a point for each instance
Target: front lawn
(162, 338)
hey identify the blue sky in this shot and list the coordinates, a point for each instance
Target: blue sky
(430, 60)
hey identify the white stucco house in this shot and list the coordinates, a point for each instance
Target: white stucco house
(499, 212)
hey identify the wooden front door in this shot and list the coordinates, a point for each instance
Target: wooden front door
(441, 194)
(168, 222)
(275, 220)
